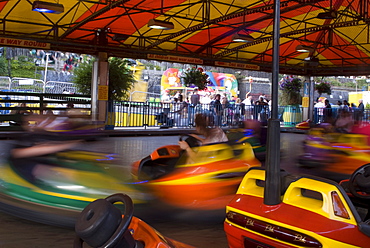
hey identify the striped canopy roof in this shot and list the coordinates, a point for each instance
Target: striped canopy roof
(202, 32)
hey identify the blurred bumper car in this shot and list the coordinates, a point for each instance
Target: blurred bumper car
(207, 184)
(337, 153)
(239, 136)
(304, 125)
(54, 125)
(311, 212)
(53, 188)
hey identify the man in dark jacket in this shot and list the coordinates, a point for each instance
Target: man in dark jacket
(360, 110)
(194, 101)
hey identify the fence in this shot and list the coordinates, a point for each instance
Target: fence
(151, 114)
(36, 86)
(13, 102)
(154, 114)
(157, 114)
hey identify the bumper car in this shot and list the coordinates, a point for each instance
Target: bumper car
(304, 125)
(55, 187)
(239, 136)
(101, 224)
(62, 125)
(312, 212)
(336, 153)
(206, 184)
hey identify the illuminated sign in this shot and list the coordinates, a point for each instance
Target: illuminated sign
(175, 59)
(237, 65)
(24, 43)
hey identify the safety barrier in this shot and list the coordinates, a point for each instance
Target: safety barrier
(152, 114)
(164, 115)
(12, 103)
(292, 115)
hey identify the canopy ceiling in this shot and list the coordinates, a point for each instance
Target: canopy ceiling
(202, 32)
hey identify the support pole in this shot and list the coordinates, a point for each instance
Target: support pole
(272, 185)
(312, 93)
(102, 87)
(94, 91)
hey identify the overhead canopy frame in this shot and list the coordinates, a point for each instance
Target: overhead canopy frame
(202, 33)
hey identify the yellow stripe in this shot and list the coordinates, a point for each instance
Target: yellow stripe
(199, 179)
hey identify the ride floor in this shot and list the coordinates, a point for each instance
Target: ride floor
(185, 226)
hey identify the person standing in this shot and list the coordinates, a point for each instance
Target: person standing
(360, 111)
(195, 97)
(194, 101)
(248, 104)
(327, 112)
(218, 110)
(319, 109)
(180, 111)
(346, 106)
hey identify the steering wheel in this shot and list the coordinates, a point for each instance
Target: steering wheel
(192, 142)
(359, 182)
(101, 224)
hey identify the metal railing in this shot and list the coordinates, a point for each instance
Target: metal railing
(157, 114)
(38, 102)
(152, 114)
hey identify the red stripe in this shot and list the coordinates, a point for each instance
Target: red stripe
(301, 218)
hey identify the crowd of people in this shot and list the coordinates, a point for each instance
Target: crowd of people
(342, 118)
(61, 61)
(221, 108)
(226, 110)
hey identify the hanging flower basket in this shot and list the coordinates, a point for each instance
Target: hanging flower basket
(323, 88)
(195, 77)
(290, 90)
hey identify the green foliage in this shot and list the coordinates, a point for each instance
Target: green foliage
(323, 88)
(239, 77)
(20, 67)
(367, 106)
(362, 83)
(195, 76)
(151, 66)
(3, 67)
(121, 78)
(82, 78)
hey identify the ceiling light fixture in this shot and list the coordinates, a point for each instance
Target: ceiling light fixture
(313, 61)
(327, 15)
(242, 38)
(303, 49)
(157, 24)
(46, 7)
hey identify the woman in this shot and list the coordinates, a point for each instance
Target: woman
(211, 135)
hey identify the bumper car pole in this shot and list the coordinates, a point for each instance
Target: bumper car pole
(272, 180)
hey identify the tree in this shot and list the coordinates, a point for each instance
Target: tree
(20, 67)
(121, 78)
(3, 66)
